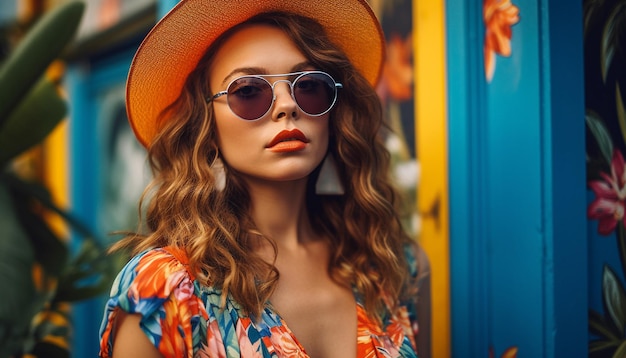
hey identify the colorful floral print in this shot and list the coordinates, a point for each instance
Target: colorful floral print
(183, 318)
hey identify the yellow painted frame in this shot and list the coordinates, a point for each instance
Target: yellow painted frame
(431, 134)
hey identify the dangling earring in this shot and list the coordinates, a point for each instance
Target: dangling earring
(219, 173)
(328, 181)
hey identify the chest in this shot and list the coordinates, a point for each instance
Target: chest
(321, 314)
(272, 336)
(310, 315)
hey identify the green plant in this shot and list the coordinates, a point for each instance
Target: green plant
(41, 277)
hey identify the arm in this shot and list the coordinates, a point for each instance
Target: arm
(130, 340)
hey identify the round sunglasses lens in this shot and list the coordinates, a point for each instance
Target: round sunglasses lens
(250, 97)
(315, 93)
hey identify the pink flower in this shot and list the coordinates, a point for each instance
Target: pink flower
(608, 206)
(285, 344)
(184, 291)
(391, 349)
(215, 345)
(246, 347)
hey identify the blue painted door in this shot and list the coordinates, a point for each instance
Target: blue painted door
(517, 179)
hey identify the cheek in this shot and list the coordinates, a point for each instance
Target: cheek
(325, 139)
(323, 131)
(230, 131)
(321, 134)
(238, 140)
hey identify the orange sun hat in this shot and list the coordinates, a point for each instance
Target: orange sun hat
(178, 41)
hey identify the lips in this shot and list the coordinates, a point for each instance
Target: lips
(285, 136)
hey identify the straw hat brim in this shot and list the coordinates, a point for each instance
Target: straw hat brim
(178, 41)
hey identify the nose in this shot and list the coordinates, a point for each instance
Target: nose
(285, 105)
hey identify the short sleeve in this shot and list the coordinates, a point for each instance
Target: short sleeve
(157, 285)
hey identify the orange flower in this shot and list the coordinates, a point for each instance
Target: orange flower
(499, 16)
(398, 68)
(285, 344)
(510, 352)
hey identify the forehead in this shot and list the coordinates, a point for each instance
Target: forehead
(256, 46)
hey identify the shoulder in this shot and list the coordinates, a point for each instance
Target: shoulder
(158, 287)
(153, 274)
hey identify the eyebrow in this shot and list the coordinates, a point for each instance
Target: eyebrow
(260, 71)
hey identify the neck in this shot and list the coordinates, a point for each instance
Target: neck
(279, 211)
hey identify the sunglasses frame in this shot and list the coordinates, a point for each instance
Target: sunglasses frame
(299, 75)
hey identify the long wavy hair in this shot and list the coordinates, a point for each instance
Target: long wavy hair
(214, 227)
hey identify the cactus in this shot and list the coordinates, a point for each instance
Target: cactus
(43, 43)
(40, 275)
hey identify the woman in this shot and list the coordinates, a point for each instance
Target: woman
(272, 228)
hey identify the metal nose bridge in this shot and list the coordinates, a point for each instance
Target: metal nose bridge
(289, 82)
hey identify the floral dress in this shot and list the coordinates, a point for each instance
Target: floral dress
(183, 318)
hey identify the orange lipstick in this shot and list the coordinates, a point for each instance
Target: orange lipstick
(288, 141)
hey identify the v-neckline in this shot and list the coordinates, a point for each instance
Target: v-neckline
(358, 308)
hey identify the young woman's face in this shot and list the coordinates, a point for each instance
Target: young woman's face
(284, 144)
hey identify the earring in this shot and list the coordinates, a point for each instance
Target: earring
(219, 173)
(328, 181)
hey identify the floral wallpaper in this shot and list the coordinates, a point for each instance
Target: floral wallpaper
(605, 79)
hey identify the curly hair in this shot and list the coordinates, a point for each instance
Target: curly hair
(362, 226)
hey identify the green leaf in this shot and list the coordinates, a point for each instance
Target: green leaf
(599, 326)
(614, 299)
(621, 113)
(50, 250)
(33, 119)
(42, 44)
(83, 293)
(621, 351)
(591, 10)
(89, 274)
(42, 195)
(43, 346)
(89, 252)
(17, 306)
(601, 134)
(599, 346)
(54, 321)
(614, 29)
(49, 350)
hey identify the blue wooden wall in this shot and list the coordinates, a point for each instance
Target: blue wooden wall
(517, 184)
(87, 84)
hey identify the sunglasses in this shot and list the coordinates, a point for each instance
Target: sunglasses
(251, 97)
